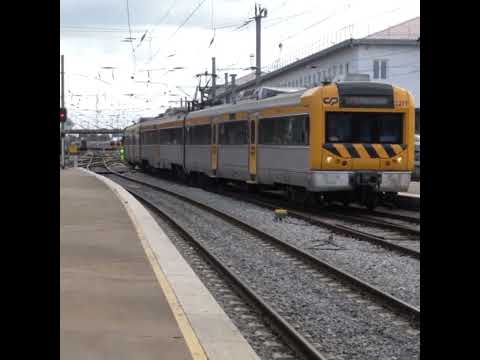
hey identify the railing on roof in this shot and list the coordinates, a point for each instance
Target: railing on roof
(334, 38)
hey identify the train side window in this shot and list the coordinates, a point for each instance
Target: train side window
(292, 130)
(214, 133)
(233, 133)
(188, 139)
(252, 132)
(179, 134)
(200, 135)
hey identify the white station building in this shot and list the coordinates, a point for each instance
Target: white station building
(389, 56)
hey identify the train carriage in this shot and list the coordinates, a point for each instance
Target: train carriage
(344, 141)
(132, 144)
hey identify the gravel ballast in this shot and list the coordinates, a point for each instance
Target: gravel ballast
(339, 322)
(394, 273)
(266, 343)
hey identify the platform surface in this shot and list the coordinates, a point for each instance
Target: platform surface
(111, 306)
(414, 187)
(125, 290)
(413, 191)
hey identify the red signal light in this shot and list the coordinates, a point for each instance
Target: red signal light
(63, 114)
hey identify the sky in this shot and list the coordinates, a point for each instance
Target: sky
(106, 75)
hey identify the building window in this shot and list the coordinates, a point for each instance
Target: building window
(309, 79)
(380, 69)
(383, 69)
(300, 82)
(324, 75)
(319, 76)
(346, 68)
(340, 70)
(334, 70)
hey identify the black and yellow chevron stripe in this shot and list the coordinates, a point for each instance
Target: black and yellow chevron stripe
(365, 151)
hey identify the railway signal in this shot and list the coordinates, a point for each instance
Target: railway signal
(63, 115)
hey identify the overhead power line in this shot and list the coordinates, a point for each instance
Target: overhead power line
(130, 32)
(179, 27)
(162, 19)
(188, 18)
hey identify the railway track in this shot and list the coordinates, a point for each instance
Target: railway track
(298, 260)
(391, 271)
(401, 238)
(385, 234)
(412, 218)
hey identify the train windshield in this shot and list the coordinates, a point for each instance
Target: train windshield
(364, 127)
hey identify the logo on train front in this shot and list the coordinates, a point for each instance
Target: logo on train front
(330, 100)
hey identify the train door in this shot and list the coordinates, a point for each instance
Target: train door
(252, 151)
(214, 152)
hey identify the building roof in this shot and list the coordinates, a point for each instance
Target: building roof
(245, 79)
(407, 30)
(328, 51)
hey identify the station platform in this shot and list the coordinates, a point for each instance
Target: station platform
(413, 189)
(410, 200)
(125, 291)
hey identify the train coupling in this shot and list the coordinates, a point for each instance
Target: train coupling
(366, 179)
(367, 186)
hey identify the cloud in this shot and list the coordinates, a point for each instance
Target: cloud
(146, 12)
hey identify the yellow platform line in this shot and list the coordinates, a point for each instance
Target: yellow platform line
(191, 339)
(188, 333)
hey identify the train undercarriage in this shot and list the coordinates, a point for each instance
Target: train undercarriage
(366, 188)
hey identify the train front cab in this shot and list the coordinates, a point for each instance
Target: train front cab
(362, 140)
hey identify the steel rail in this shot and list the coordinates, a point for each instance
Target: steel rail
(408, 310)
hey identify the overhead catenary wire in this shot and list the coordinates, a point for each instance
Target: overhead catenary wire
(158, 23)
(213, 25)
(282, 20)
(179, 27)
(130, 32)
(334, 13)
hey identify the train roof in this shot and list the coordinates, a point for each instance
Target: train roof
(250, 105)
(287, 99)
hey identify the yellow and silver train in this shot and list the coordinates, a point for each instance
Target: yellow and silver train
(350, 141)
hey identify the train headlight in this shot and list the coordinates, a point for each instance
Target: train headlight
(329, 159)
(399, 159)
